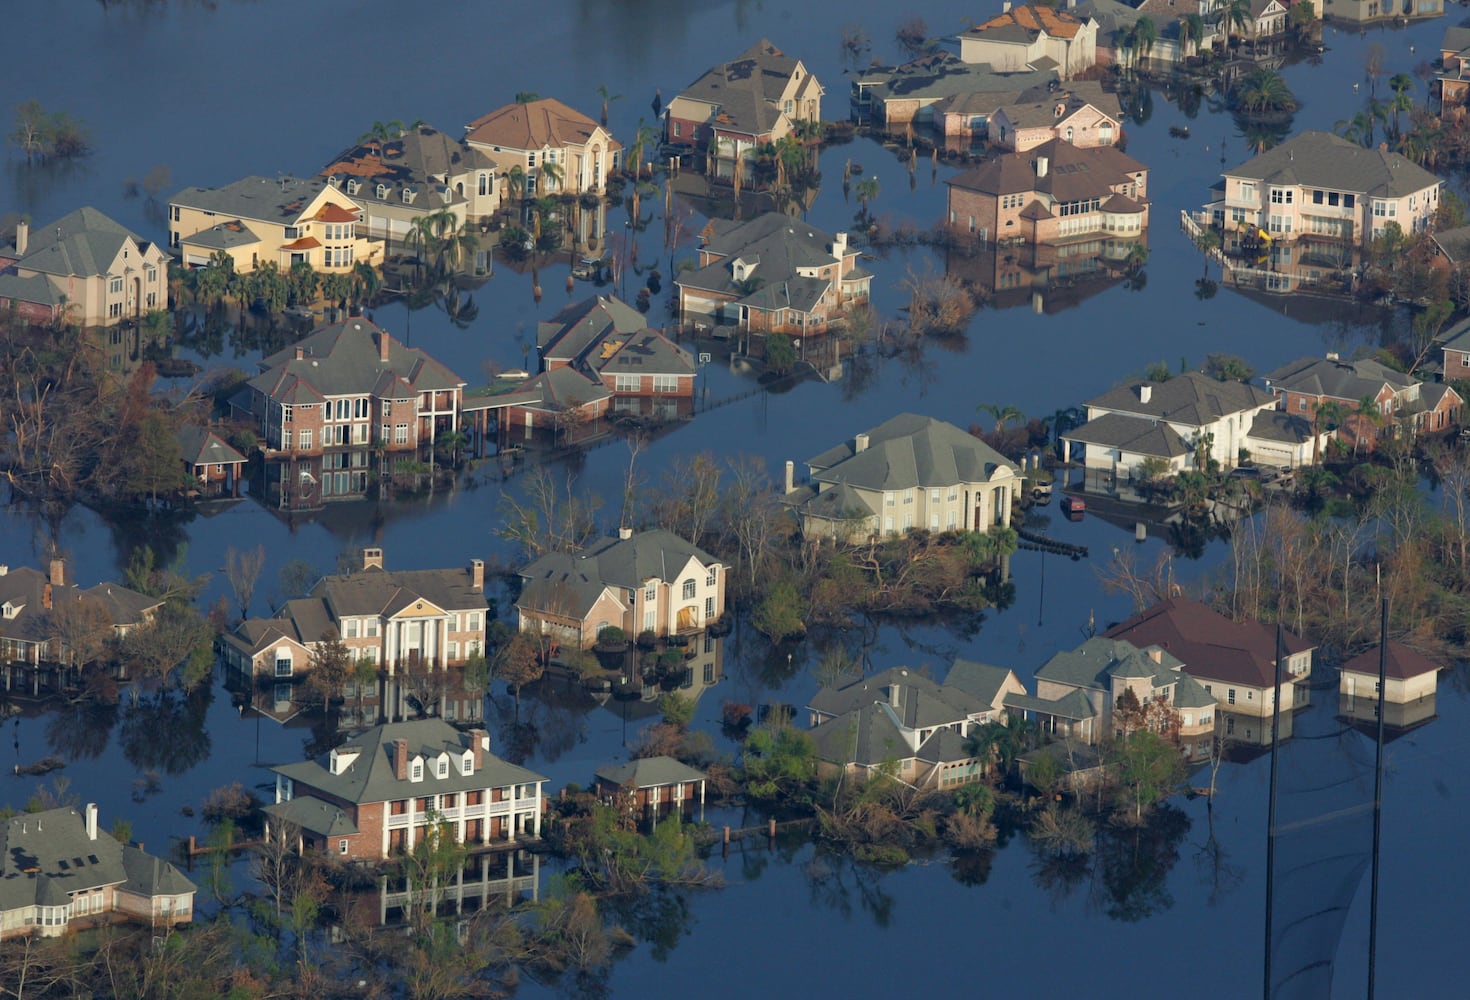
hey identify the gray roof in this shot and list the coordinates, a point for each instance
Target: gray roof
(1138, 435)
(1190, 693)
(1033, 110)
(82, 243)
(981, 681)
(909, 451)
(1096, 661)
(384, 592)
(579, 578)
(342, 359)
(945, 747)
(646, 353)
(563, 388)
(839, 502)
(274, 199)
(1278, 425)
(1454, 243)
(1321, 159)
(576, 329)
(1456, 39)
(945, 75)
(26, 590)
(422, 159)
(224, 236)
(1346, 380)
(47, 856)
(746, 89)
(1073, 705)
(371, 778)
(649, 772)
(314, 815)
(868, 736)
(124, 606)
(776, 245)
(1193, 399)
(1457, 337)
(34, 288)
(915, 700)
(202, 446)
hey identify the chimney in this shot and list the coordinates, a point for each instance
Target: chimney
(383, 342)
(624, 534)
(860, 444)
(400, 759)
(46, 597)
(790, 475)
(91, 821)
(1145, 393)
(477, 574)
(1005, 8)
(300, 353)
(1042, 166)
(58, 572)
(479, 740)
(4, 570)
(372, 558)
(22, 237)
(1156, 654)
(839, 245)
(893, 695)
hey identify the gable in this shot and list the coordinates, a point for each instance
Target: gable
(417, 607)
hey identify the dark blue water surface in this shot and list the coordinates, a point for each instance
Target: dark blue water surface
(219, 91)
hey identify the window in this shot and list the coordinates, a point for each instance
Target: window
(888, 499)
(709, 607)
(305, 438)
(443, 767)
(416, 771)
(398, 808)
(342, 846)
(627, 383)
(651, 593)
(908, 496)
(1230, 697)
(531, 158)
(283, 663)
(1383, 209)
(350, 627)
(666, 383)
(709, 581)
(1248, 192)
(474, 625)
(400, 434)
(387, 407)
(688, 589)
(115, 286)
(1281, 196)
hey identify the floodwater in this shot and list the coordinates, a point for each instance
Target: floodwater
(219, 90)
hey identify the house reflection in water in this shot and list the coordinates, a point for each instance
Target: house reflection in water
(1049, 278)
(444, 693)
(489, 878)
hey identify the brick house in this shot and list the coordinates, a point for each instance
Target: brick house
(338, 411)
(210, 461)
(1455, 345)
(608, 341)
(543, 134)
(1454, 78)
(375, 795)
(736, 106)
(277, 220)
(60, 873)
(648, 581)
(396, 620)
(1423, 407)
(1082, 114)
(771, 274)
(84, 268)
(652, 785)
(1054, 192)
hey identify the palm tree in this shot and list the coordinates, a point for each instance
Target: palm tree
(604, 92)
(1326, 416)
(865, 191)
(1357, 129)
(1264, 91)
(1002, 414)
(1191, 30)
(365, 282)
(1369, 414)
(380, 132)
(1402, 102)
(1145, 34)
(1237, 17)
(515, 182)
(553, 173)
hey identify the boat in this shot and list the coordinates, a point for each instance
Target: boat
(1074, 505)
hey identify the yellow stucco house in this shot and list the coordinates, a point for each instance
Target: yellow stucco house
(83, 268)
(559, 149)
(280, 220)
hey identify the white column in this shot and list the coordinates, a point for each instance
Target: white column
(510, 819)
(383, 827)
(536, 822)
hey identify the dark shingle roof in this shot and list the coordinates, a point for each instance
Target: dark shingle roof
(746, 89)
(867, 736)
(1138, 435)
(1193, 398)
(916, 701)
(649, 772)
(83, 243)
(1321, 159)
(1401, 662)
(1212, 647)
(1347, 380)
(202, 446)
(1074, 173)
(273, 199)
(343, 359)
(909, 451)
(1092, 664)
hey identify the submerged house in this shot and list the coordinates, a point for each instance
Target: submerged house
(1411, 683)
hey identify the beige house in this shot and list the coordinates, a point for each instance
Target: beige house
(908, 472)
(1031, 36)
(756, 98)
(260, 220)
(649, 581)
(83, 268)
(398, 181)
(922, 91)
(560, 150)
(1411, 683)
(1082, 114)
(1322, 185)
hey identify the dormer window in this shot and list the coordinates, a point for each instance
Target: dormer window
(443, 766)
(408, 196)
(416, 769)
(354, 185)
(467, 762)
(10, 610)
(382, 192)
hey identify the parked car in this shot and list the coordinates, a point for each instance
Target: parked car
(1074, 505)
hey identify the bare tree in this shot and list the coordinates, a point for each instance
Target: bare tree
(80, 627)
(242, 569)
(751, 514)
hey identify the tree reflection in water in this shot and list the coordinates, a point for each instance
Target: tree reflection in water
(837, 882)
(164, 731)
(658, 917)
(79, 730)
(1133, 864)
(971, 868)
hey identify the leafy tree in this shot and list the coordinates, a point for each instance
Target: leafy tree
(46, 135)
(1228, 368)
(1149, 769)
(779, 762)
(677, 710)
(781, 613)
(780, 353)
(178, 639)
(518, 663)
(332, 666)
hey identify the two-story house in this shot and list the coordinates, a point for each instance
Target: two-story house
(903, 720)
(909, 472)
(608, 341)
(339, 410)
(771, 274)
(924, 90)
(647, 581)
(1078, 691)
(395, 620)
(1052, 192)
(736, 106)
(60, 873)
(398, 181)
(1321, 186)
(557, 149)
(276, 220)
(1031, 36)
(1234, 661)
(1454, 75)
(1082, 114)
(378, 793)
(1183, 419)
(1306, 383)
(85, 269)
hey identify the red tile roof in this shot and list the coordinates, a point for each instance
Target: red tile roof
(335, 213)
(1056, 23)
(305, 243)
